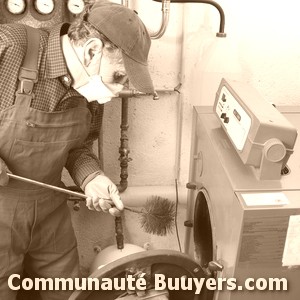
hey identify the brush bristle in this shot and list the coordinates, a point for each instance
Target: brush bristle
(158, 216)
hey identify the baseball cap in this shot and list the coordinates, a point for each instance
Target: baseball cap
(124, 28)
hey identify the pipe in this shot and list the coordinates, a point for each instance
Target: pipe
(128, 93)
(165, 8)
(221, 32)
(119, 232)
(100, 137)
(124, 150)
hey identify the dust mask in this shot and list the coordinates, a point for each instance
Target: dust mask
(95, 89)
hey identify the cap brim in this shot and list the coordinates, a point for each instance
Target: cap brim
(138, 75)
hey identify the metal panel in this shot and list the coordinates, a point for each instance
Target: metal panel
(248, 240)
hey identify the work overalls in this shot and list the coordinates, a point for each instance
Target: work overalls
(35, 225)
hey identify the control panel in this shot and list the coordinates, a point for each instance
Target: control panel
(262, 137)
(235, 119)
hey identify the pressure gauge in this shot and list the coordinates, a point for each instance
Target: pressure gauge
(16, 7)
(44, 7)
(76, 6)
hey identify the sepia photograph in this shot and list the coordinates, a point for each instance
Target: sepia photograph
(149, 150)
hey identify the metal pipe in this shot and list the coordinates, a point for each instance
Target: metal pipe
(100, 137)
(221, 32)
(128, 93)
(119, 232)
(165, 8)
(124, 149)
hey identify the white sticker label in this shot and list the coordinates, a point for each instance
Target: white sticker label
(263, 199)
(291, 253)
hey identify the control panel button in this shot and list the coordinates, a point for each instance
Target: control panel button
(226, 120)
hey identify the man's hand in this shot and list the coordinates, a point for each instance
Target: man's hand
(103, 195)
(3, 173)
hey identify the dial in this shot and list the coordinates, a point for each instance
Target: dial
(44, 7)
(76, 6)
(16, 7)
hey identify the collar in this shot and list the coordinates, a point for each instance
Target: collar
(56, 65)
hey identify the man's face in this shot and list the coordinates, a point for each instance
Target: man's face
(112, 68)
(105, 71)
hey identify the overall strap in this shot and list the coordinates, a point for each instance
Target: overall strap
(28, 74)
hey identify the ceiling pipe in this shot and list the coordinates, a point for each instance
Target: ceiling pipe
(165, 8)
(221, 32)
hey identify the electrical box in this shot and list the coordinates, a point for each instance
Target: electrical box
(260, 134)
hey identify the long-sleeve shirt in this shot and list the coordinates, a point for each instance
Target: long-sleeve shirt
(53, 91)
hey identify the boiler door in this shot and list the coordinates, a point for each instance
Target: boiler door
(172, 264)
(203, 235)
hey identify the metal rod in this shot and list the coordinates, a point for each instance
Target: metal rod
(48, 186)
(150, 222)
(62, 190)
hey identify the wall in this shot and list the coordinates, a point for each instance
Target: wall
(153, 124)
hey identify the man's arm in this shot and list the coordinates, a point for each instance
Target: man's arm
(13, 47)
(12, 51)
(82, 164)
(85, 169)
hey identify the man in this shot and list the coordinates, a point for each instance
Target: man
(48, 120)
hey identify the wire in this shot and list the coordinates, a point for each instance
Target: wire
(176, 212)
